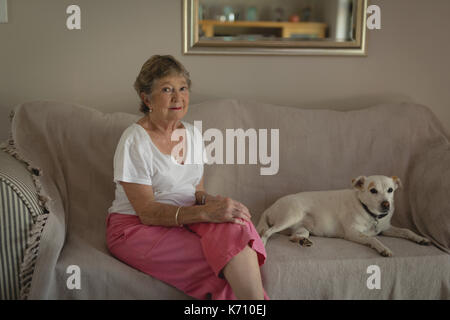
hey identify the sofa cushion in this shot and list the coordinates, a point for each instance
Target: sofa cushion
(102, 276)
(19, 210)
(339, 269)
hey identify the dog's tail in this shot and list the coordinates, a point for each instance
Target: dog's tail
(263, 225)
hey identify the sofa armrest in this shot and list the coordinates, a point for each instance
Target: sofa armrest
(429, 192)
(19, 211)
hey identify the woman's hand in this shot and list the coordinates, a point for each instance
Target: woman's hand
(219, 209)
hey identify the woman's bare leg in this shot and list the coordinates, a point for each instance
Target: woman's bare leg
(243, 275)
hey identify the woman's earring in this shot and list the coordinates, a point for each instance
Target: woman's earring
(150, 110)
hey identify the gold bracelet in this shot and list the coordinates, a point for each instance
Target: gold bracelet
(176, 217)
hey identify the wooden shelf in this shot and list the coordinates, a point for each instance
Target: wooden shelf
(288, 29)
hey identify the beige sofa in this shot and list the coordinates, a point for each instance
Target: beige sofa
(71, 147)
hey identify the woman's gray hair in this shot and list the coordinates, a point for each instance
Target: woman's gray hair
(155, 68)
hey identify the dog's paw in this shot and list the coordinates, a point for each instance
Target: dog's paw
(305, 242)
(424, 242)
(386, 253)
(302, 241)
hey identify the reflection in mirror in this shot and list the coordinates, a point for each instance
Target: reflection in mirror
(323, 24)
(283, 20)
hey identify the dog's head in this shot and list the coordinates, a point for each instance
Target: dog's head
(377, 192)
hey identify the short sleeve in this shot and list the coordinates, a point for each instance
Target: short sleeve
(131, 162)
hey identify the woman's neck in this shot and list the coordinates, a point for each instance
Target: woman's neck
(163, 128)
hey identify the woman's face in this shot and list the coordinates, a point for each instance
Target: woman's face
(169, 100)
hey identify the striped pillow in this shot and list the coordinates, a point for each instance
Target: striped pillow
(19, 210)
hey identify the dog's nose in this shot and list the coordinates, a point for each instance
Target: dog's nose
(385, 205)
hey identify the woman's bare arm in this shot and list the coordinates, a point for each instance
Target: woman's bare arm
(150, 212)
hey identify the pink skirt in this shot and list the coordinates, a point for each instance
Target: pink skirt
(189, 258)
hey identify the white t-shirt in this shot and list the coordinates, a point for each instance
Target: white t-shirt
(138, 160)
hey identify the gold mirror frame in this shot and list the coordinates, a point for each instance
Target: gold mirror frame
(193, 45)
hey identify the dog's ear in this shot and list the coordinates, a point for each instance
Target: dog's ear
(358, 183)
(398, 182)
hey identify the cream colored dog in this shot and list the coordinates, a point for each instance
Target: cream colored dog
(356, 215)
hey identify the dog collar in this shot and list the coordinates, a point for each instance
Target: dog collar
(373, 215)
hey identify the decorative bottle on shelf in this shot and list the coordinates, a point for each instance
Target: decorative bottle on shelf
(228, 12)
(306, 13)
(279, 14)
(252, 14)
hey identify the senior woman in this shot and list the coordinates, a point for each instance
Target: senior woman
(162, 221)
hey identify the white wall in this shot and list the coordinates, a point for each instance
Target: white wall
(40, 59)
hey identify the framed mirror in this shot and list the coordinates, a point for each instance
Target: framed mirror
(267, 27)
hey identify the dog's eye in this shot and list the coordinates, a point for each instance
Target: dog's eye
(390, 190)
(373, 190)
